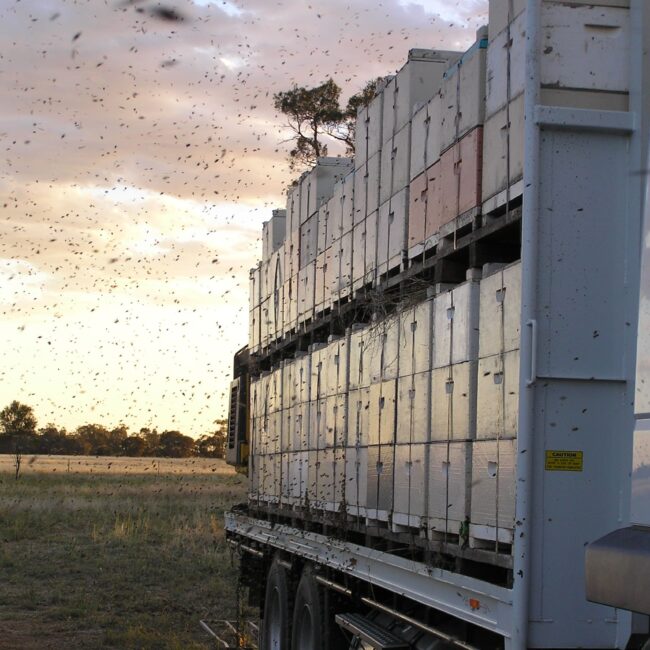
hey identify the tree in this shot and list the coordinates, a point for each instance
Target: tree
(173, 444)
(134, 446)
(314, 114)
(213, 445)
(151, 439)
(52, 440)
(17, 428)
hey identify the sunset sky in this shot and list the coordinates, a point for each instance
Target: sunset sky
(141, 156)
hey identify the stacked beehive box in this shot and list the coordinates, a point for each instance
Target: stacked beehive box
(367, 163)
(492, 511)
(328, 424)
(356, 472)
(503, 136)
(414, 84)
(453, 422)
(413, 414)
(255, 309)
(295, 429)
(266, 437)
(446, 152)
(379, 372)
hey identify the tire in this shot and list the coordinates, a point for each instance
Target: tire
(314, 627)
(309, 616)
(276, 631)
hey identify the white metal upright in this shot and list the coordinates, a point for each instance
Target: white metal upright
(580, 264)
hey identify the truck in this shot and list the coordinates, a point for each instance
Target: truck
(436, 404)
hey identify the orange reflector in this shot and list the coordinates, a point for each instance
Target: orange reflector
(474, 604)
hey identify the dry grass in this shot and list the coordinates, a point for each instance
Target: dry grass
(115, 465)
(113, 554)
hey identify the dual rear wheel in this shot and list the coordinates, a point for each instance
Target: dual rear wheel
(297, 620)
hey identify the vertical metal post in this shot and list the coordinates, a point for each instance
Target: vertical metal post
(529, 252)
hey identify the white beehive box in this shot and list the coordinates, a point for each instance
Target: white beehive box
(254, 316)
(306, 278)
(273, 233)
(366, 188)
(330, 272)
(503, 153)
(502, 12)
(294, 477)
(361, 137)
(335, 421)
(463, 93)
(432, 143)
(375, 125)
(308, 240)
(356, 345)
(419, 128)
(254, 462)
(289, 435)
(291, 303)
(318, 369)
(449, 486)
(506, 46)
(585, 47)
(379, 498)
(293, 208)
(321, 293)
(498, 396)
(264, 324)
(381, 426)
(371, 248)
(337, 353)
(395, 163)
(335, 215)
(360, 194)
(347, 202)
(410, 483)
(500, 311)
(323, 225)
(416, 339)
(356, 480)
(392, 232)
(453, 402)
(370, 354)
(276, 298)
(303, 377)
(416, 82)
(318, 423)
(493, 491)
(318, 184)
(413, 409)
(254, 286)
(331, 479)
(390, 348)
(345, 266)
(358, 417)
(456, 324)
(359, 256)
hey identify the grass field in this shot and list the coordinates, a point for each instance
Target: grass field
(114, 552)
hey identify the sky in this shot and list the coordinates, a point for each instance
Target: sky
(140, 157)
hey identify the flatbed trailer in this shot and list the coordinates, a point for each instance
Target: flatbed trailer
(332, 569)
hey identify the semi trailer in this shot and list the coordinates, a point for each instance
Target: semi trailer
(436, 404)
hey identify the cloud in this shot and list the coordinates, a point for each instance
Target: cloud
(140, 157)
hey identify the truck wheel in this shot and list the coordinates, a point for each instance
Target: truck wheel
(277, 609)
(309, 615)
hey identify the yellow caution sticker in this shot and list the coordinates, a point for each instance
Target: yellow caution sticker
(563, 461)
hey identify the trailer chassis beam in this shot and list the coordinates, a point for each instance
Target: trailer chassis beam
(474, 601)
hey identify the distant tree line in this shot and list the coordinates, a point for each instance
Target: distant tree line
(19, 433)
